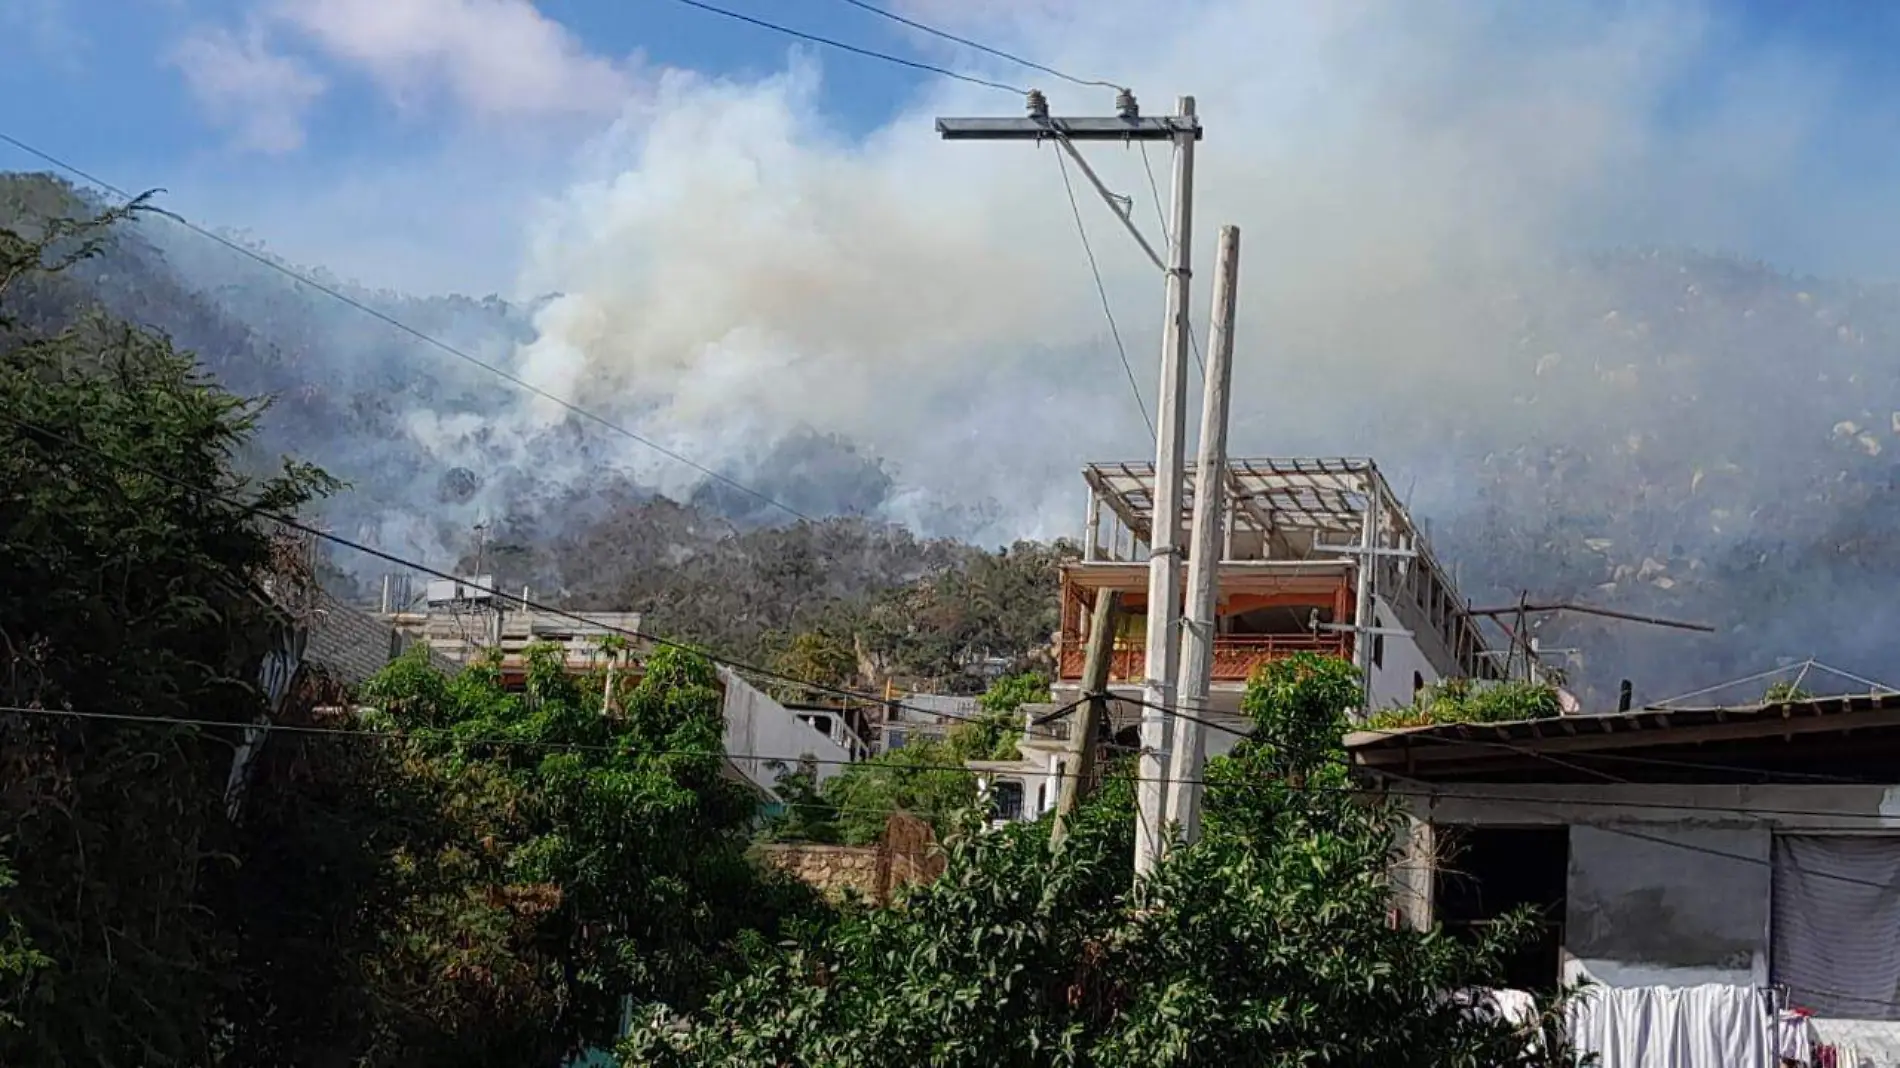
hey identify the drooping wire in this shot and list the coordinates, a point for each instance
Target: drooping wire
(869, 53)
(1107, 310)
(405, 328)
(292, 523)
(965, 41)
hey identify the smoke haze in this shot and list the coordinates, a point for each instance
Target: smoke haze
(1432, 198)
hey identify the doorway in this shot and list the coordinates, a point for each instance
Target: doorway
(1484, 874)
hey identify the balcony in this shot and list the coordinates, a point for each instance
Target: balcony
(1235, 658)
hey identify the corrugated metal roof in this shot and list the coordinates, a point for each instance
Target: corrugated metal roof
(949, 706)
(1658, 726)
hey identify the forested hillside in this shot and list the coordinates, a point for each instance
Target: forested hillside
(1666, 432)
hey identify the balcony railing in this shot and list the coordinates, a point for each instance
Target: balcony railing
(1235, 658)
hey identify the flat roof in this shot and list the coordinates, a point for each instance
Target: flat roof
(1462, 748)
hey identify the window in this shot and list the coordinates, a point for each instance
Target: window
(1006, 800)
(1378, 643)
(893, 738)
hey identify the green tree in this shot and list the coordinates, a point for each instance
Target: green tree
(576, 856)
(122, 592)
(816, 656)
(1266, 942)
(924, 778)
(803, 813)
(1461, 700)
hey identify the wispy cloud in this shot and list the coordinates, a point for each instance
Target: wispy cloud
(496, 58)
(261, 94)
(487, 60)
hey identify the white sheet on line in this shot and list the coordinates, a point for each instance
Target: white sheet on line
(1711, 1026)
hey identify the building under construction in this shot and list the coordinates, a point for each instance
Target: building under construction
(1317, 556)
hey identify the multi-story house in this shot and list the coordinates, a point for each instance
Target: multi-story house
(1318, 555)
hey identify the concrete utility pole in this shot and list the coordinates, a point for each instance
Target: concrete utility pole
(1182, 129)
(1094, 711)
(1365, 630)
(1164, 554)
(1204, 556)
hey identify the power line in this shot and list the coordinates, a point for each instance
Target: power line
(1307, 791)
(1390, 790)
(1102, 290)
(935, 32)
(337, 539)
(854, 49)
(405, 328)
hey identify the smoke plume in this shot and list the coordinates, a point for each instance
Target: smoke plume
(1438, 203)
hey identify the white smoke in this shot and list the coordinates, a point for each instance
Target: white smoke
(732, 269)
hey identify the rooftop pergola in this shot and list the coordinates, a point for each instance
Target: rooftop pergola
(1288, 513)
(1325, 496)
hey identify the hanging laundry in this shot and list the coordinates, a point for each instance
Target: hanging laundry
(1711, 1026)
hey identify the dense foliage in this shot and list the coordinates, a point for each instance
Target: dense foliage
(924, 777)
(464, 876)
(585, 845)
(1460, 700)
(126, 593)
(1266, 942)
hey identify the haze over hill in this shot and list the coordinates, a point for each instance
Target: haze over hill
(1452, 219)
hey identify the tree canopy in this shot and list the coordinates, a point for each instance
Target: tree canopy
(131, 594)
(924, 777)
(1266, 942)
(461, 875)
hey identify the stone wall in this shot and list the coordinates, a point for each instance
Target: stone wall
(905, 854)
(834, 871)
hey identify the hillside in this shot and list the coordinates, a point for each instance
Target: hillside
(1686, 435)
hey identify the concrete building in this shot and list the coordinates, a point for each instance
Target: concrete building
(1292, 578)
(763, 737)
(1748, 847)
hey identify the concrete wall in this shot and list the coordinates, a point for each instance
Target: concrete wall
(759, 730)
(1667, 885)
(1678, 906)
(1391, 681)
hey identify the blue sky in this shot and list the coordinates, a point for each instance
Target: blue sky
(99, 84)
(321, 123)
(94, 76)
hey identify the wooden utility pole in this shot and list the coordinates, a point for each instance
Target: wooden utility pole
(1204, 556)
(1093, 713)
(1181, 130)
